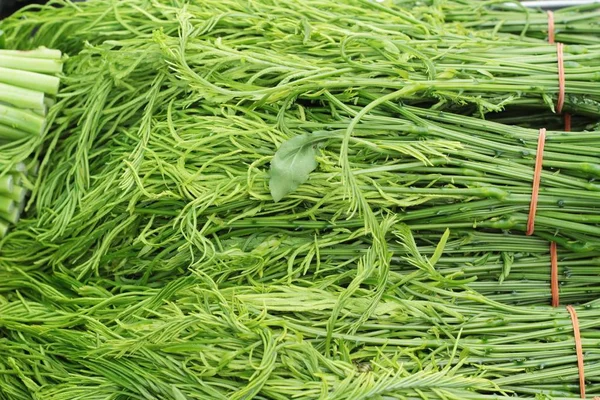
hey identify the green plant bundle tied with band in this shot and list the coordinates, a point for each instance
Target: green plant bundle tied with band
(235, 202)
(510, 269)
(574, 25)
(147, 174)
(350, 46)
(65, 339)
(439, 170)
(200, 193)
(299, 77)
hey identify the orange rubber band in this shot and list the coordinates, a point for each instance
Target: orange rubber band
(568, 129)
(537, 176)
(550, 27)
(561, 76)
(554, 274)
(578, 349)
(561, 67)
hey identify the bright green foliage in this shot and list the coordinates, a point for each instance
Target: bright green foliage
(297, 199)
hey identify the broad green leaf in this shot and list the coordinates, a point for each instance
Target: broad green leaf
(291, 165)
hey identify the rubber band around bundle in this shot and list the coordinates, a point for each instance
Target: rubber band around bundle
(578, 349)
(550, 27)
(561, 66)
(537, 175)
(561, 77)
(554, 274)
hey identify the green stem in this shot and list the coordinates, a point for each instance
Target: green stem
(22, 120)
(40, 65)
(12, 216)
(17, 194)
(6, 184)
(39, 53)
(3, 229)
(30, 80)
(20, 97)
(6, 205)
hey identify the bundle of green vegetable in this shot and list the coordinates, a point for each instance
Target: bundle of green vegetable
(210, 173)
(63, 339)
(228, 197)
(27, 88)
(575, 25)
(350, 45)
